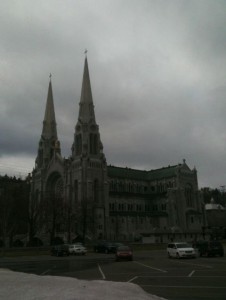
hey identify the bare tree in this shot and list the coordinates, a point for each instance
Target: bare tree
(54, 214)
(13, 208)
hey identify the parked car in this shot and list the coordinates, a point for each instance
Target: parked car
(104, 247)
(60, 250)
(124, 252)
(77, 249)
(115, 245)
(179, 250)
(209, 248)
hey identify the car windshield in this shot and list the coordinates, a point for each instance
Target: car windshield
(184, 245)
(124, 248)
(118, 244)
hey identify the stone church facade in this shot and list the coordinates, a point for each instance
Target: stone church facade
(83, 196)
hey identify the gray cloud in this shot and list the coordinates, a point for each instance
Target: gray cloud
(157, 72)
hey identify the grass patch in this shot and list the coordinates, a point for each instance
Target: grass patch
(12, 252)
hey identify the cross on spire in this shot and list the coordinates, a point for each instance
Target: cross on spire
(86, 52)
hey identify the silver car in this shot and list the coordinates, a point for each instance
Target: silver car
(180, 249)
(77, 249)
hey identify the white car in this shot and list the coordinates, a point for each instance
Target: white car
(77, 249)
(179, 250)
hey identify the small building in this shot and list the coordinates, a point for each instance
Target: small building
(216, 219)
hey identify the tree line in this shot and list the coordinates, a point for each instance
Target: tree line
(14, 208)
(217, 194)
(23, 213)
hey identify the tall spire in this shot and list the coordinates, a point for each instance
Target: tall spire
(86, 111)
(49, 123)
(48, 144)
(87, 140)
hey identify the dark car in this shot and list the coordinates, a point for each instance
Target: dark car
(60, 250)
(209, 248)
(115, 245)
(124, 253)
(104, 247)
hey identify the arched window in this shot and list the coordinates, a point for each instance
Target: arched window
(59, 189)
(93, 143)
(76, 190)
(78, 144)
(96, 190)
(188, 195)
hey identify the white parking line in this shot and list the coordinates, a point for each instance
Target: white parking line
(101, 272)
(132, 279)
(45, 272)
(184, 286)
(191, 273)
(160, 276)
(204, 266)
(160, 270)
(176, 276)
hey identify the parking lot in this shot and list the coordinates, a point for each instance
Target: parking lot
(199, 278)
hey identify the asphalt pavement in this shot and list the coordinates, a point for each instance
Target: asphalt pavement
(201, 278)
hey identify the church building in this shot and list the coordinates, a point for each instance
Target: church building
(82, 196)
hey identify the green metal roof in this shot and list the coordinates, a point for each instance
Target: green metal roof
(119, 172)
(127, 173)
(166, 172)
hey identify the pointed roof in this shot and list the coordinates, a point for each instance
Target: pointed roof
(86, 110)
(49, 123)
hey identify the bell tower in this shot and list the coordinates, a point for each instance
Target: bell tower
(89, 168)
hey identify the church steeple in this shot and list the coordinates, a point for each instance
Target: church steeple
(86, 110)
(87, 137)
(48, 144)
(49, 124)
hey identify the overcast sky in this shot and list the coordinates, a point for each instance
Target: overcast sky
(158, 76)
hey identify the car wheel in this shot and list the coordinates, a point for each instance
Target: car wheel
(178, 256)
(169, 256)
